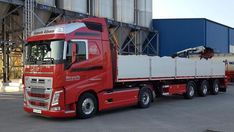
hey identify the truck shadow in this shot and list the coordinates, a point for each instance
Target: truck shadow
(39, 117)
(157, 102)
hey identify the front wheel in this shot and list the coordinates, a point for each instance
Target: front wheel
(86, 106)
(144, 98)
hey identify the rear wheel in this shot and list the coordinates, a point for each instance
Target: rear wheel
(203, 89)
(215, 87)
(190, 92)
(86, 106)
(145, 98)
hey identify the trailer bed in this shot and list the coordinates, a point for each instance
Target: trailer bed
(142, 68)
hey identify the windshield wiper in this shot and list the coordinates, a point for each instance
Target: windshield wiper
(31, 60)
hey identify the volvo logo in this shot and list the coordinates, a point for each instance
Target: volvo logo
(72, 78)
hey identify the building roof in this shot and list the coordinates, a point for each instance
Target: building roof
(196, 19)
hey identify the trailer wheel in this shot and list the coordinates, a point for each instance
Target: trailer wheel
(203, 89)
(190, 92)
(215, 87)
(145, 98)
(86, 106)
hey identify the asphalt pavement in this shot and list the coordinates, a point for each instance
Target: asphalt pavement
(169, 114)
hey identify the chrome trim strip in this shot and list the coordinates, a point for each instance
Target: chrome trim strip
(70, 111)
(65, 50)
(46, 65)
(38, 73)
(38, 100)
(42, 100)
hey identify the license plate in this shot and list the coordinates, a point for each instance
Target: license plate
(37, 111)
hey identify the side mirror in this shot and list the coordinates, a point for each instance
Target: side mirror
(74, 50)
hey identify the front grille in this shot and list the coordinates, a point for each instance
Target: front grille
(38, 92)
(39, 98)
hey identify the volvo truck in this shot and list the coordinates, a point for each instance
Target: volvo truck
(73, 69)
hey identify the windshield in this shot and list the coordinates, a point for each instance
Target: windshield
(44, 52)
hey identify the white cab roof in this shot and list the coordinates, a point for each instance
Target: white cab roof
(58, 29)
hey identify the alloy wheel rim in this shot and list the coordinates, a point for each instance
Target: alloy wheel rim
(216, 88)
(191, 92)
(204, 90)
(88, 106)
(145, 98)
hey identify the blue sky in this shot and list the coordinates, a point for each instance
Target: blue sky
(221, 11)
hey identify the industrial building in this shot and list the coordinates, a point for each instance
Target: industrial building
(18, 18)
(179, 34)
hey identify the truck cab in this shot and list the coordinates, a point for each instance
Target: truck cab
(64, 61)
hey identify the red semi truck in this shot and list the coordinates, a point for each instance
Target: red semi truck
(74, 70)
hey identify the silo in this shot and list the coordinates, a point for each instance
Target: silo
(149, 15)
(143, 18)
(144, 12)
(120, 35)
(124, 11)
(42, 14)
(103, 8)
(46, 2)
(73, 5)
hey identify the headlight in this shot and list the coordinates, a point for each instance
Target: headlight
(56, 96)
(55, 108)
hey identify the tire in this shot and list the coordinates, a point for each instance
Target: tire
(86, 106)
(215, 87)
(145, 98)
(203, 89)
(190, 92)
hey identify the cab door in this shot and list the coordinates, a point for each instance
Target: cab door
(85, 71)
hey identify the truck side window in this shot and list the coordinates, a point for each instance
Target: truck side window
(69, 54)
(81, 53)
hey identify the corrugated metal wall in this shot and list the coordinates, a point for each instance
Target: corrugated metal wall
(217, 37)
(231, 36)
(179, 34)
(231, 40)
(176, 35)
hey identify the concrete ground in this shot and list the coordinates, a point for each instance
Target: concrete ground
(170, 114)
(15, 85)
